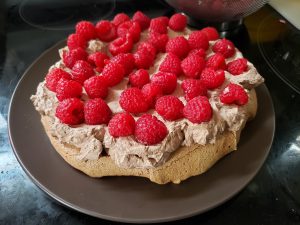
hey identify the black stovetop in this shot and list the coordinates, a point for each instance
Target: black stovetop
(272, 197)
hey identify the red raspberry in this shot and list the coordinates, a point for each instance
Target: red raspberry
(96, 87)
(54, 76)
(68, 89)
(167, 81)
(121, 125)
(171, 64)
(198, 39)
(198, 110)
(149, 130)
(216, 61)
(234, 94)
(81, 71)
(72, 56)
(97, 59)
(224, 47)
(178, 22)
(86, 29)
(193, 65)
(212, 78)
(163, 19)
(199, 52)
(76, 41)
(120, 18)
(158, 25)
(120, 45)
(113, 73)
(143, 60)
(238, 66)
(96, 111)
(133, 100)
(211, 33)
(142, 19)
(152, 92)
(178, 46)
(193, 88)
(169, 107)
(159, 41)
(106, 31)
(70, 111)
(129, 28)
(139, 78)
(126, 60)
(148, 47)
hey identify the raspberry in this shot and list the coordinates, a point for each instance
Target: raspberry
(120, 18)
(72, 56)
(216, 61)
(211, 33)
(234, 94)
(139, 78)
(149, 130)
(163, 19)
(212, 78)
(113, 73)
(198, 51)
(76, 41)
(96, 111)
(178, 22)
(120, 45)
(106, 31)
(86, 29)
(54, 76)
(97, 59)
(158, 25)
(224, 47)
(148, 47)
(70, 111)
(171, 64)
(167, 81)
(68, 89)
(178, 46)
(159, 41)
(193, 88)
(143, 60)
(129, 28)
(121, 125)
(169, 107)
(133, 100)
(96, 87)
(81, 71)
(198, 110)
(142, 19)
(192, 66)
(238, 66)
(126, 60)
(152, 92)
(198, 39)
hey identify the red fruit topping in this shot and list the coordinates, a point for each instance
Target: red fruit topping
(178, 22)
(198, 110)
(142, 19)
(212, 78)
(113, 73)
(158, 25)
(193, 65)
(120, 18)
(148, 48)
(97, 59)
(216, 61)
(133, 100)
(129, 28)
(238, 66)
(81, 71)
(72, 56)
(178, 46)
(120, 45)
(76, 41)
(152, 92)
(139, 78)
(96, 87)
(96, 111)
(70, 111)
(68, 89)
(193, 88)
(198, 39)
(86, 29)
(211, 33)
(149, 130)
(171, 64)
(167, 81)
(234, 94)
(121, 125)
(54, 76)
(159, 41)
(199, 52)
(143, 60)
(169, 107)
(126, 60)
(224, 47)
(106, 31)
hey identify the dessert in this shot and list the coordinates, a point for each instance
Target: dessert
(146, 97)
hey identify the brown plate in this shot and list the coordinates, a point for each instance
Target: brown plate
(131, 199)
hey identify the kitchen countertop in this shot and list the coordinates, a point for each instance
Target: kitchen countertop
(272, 197)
